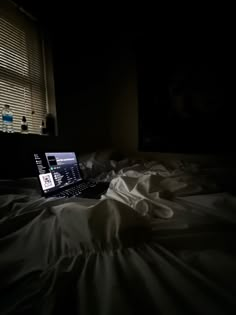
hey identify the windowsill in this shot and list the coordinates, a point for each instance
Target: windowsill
(22, 135)
(10, 134)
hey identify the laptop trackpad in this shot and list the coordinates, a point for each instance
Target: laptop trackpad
(95, 192)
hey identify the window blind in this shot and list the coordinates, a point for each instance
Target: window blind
(22, 77)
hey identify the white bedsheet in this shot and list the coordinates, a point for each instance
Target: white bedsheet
(114, 256)
(141, 194)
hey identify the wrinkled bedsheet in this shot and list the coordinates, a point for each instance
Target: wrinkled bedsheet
(161, 240)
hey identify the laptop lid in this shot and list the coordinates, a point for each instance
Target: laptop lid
(57, 170)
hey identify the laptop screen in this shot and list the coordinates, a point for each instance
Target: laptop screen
(57, 170)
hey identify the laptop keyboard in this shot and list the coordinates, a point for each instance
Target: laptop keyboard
(76, 190)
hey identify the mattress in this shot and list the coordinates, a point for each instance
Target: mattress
(161, 240)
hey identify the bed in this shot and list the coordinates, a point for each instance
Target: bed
(160, 241)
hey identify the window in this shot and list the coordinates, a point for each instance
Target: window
(23, 75)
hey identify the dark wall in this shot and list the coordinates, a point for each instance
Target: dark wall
(82, 87)
(97, 81)
(185, 94)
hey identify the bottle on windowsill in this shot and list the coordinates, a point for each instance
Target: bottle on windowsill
(24, 125)
(43, 130)
(7, 119)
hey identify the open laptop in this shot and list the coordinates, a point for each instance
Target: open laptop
(60, 176)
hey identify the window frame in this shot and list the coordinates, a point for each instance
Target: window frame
(47, 62)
